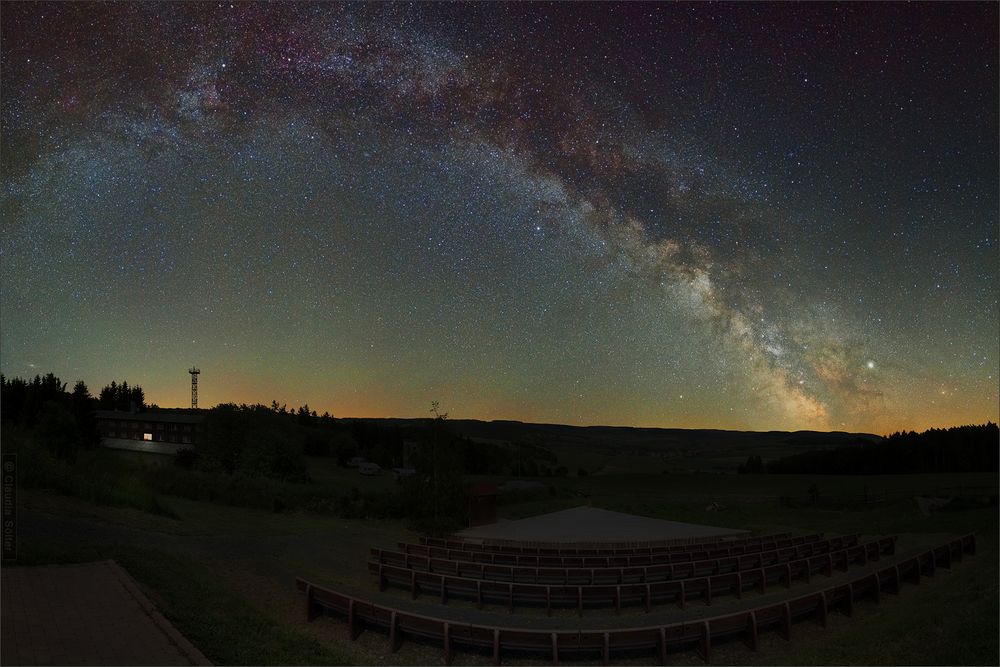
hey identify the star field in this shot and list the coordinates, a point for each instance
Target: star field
(763, 216)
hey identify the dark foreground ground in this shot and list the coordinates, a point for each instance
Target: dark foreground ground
(224, 577)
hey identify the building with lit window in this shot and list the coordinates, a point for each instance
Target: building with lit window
(156, 432)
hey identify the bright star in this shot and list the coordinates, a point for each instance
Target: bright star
(871, 365)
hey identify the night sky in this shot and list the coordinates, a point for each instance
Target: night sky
(701, 215)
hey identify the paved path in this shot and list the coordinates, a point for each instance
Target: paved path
(92, 614)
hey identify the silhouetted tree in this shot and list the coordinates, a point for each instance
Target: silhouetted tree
(122, 397)
(958, 449)
(753, 466)
(83, 414)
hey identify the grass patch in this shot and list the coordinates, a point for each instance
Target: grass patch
(94, 475)
(951, 619)
(226, 628)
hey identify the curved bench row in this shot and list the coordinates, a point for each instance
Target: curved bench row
(618, 575)
(595, 548)
(660, 639)
(677, 591)
(619, 560)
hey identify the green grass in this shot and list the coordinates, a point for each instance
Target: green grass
(324, 470)
(223, 574)
(94, 475)
(224, 626)
(951, 619)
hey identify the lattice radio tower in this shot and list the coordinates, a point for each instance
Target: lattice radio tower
(194, 387)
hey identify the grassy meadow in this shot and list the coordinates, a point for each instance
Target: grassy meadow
(223, 572)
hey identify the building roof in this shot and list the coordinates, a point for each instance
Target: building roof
(169, 417)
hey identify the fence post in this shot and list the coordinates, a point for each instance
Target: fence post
(878, 588)
(310, 603)
(682, 596)
(662, 645)
(706, 642)
(444, 590)
(394, 635)
(579, 600)
(618, 599)
(708, 590)
(548, 600)
(763, 581)
(849, 600)
(352, 620)
(788, 575)
(899, 580)
(786, 621)
(413, 584)
(821, 609)
(496, 646)
(447, 643)
(510, 589)
(751, 633)
(606, 650)
(649, 598)
(829, 565)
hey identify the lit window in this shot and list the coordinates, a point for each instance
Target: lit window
(147, 436)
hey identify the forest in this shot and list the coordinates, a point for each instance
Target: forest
(972, 448)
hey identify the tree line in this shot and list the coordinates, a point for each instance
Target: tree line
(971, 448)
(63, 420)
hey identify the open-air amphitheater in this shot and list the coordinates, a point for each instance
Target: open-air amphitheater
(586, 583)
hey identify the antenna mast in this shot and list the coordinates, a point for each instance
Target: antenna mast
(194, 387)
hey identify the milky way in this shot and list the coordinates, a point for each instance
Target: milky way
(736, 216)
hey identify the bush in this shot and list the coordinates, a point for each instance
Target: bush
(271, 453)
(185, 458)
(316, 444)
(57, 430)
(97, 476)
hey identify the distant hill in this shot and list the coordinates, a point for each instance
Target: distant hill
(617, 440)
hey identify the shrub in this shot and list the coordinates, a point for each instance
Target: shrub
(185, 458)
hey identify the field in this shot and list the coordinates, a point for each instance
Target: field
(224, 575)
